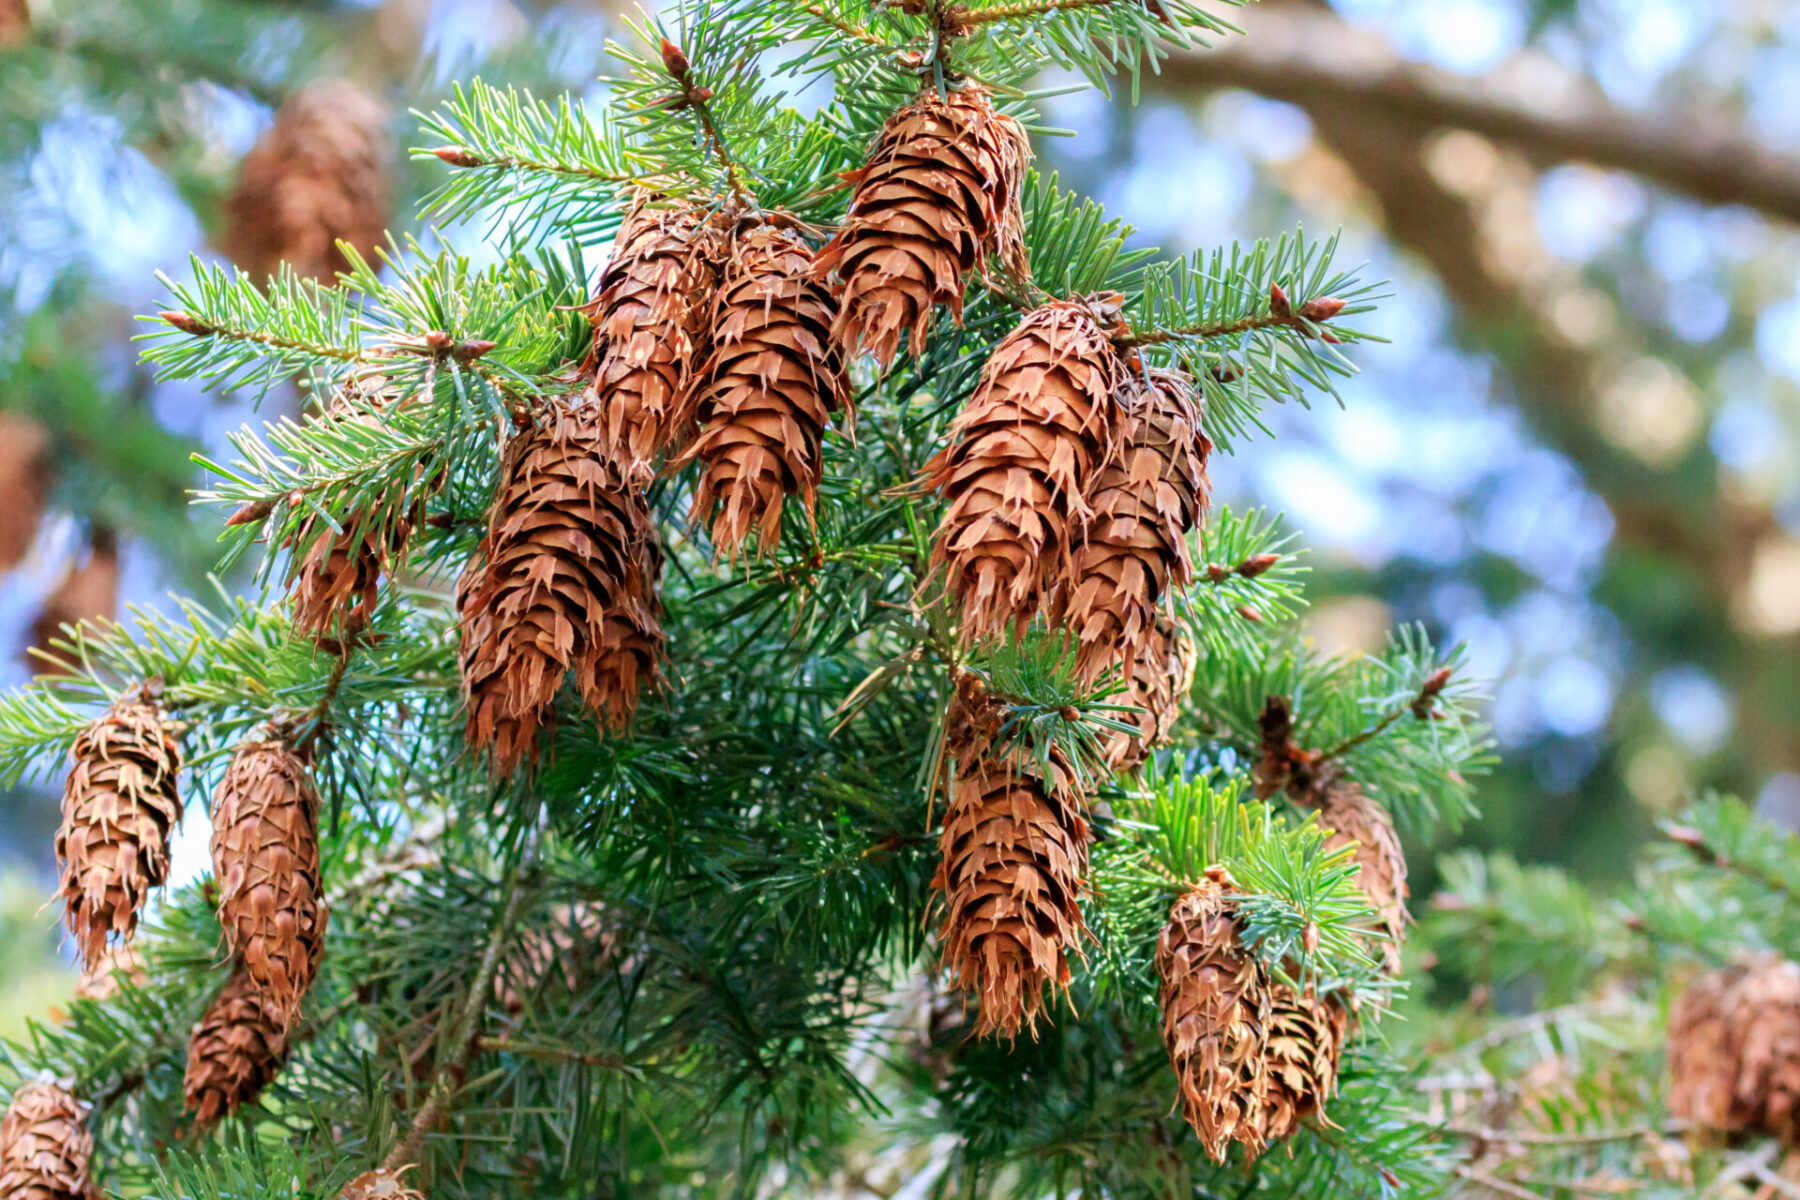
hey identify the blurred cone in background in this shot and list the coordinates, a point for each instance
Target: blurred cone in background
(88, 592)
(15, 21)
(321, 173)
(24, 464)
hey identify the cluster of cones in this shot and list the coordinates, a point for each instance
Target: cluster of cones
(1734, 1052)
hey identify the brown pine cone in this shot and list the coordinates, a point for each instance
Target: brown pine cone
(120, 805)
(1216, 1011)
(1024, 454)
(1763, 1012)
(334, 586)
(770, 385)
(265, 852)
(1015, 862)
(233, 1052)
(119, 963)
(320, 175)
(939, 194)
(380, 1184)
(1353, 818)
(46, 1148)
(1306, 1040)
(1134, 554)
(1703, 1055)
(25, 463)
(565, 580)
(650, 329)
(1158, 684)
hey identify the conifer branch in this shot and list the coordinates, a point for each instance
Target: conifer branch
(965, 15)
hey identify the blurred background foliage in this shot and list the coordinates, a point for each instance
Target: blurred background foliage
(1580, 455)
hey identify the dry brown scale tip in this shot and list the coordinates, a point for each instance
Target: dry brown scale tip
(1157, 685)
(1351, 817)
(1134, 555)
(564, 581)
(650, 328)
(382, 1183)
(1215, 1017)
(121, 803)
(234, 1051)
(46, 1148)
(939, 194)
(772, 382)
(265, 853)
(25, 468)
(1015, 863)
(1306, 1035)
(1022, 456)
(320, 175)
(336, 584)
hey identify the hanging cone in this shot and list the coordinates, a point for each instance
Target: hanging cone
(380, 1184)
(265, 852)
(1015, 861)
(565, 580)
(119, 964)
(334, 586)
(1763, 1011)
(233, 1053)
(1159, 682)
(1023, 455)
(939, 194)
(1215, 1006)
(24, 471)
(320, 175)
(1354, 819)
(1702, 1056)
(1306, 1039)
(1146, 502)
(770, 385)
(89, 592)
(46, 1148)
(650, 321)
(120, 805)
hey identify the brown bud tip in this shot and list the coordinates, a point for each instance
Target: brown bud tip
(1256, 564)
(1278, 301)
(1685, 835)
(1436, 682)
(675, 61)
(456, 156)
(296, 497)
(1249, 614)
(699, 95)
(1224, 372)
(1309, 937)
(1217, 572)
(1635, 923)
(438, 340)
(185, 323)
(250, 512)
(1322, 308)
(474, 348)
(441, 520)
(1327, 336)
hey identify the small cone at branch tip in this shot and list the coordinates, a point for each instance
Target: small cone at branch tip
(1015, 862)
(1023, 457)
(46, 1147)
(1306, 1035)
(564, 581)
(119, 965)
(25, 470)
(1158, 684)
(1215, 1016)
(1134, 554)
(320, 175)
(121, 804)
(1353, 818)
(650, 329)
(938, 196)
(234, 1051)
(1702, 1057)
(383, 1183)
(771, 383)
(88, 594)
(335, 580)
(1763, 1012)
(265, 853)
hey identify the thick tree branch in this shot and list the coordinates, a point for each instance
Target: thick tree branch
(1318, 61)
